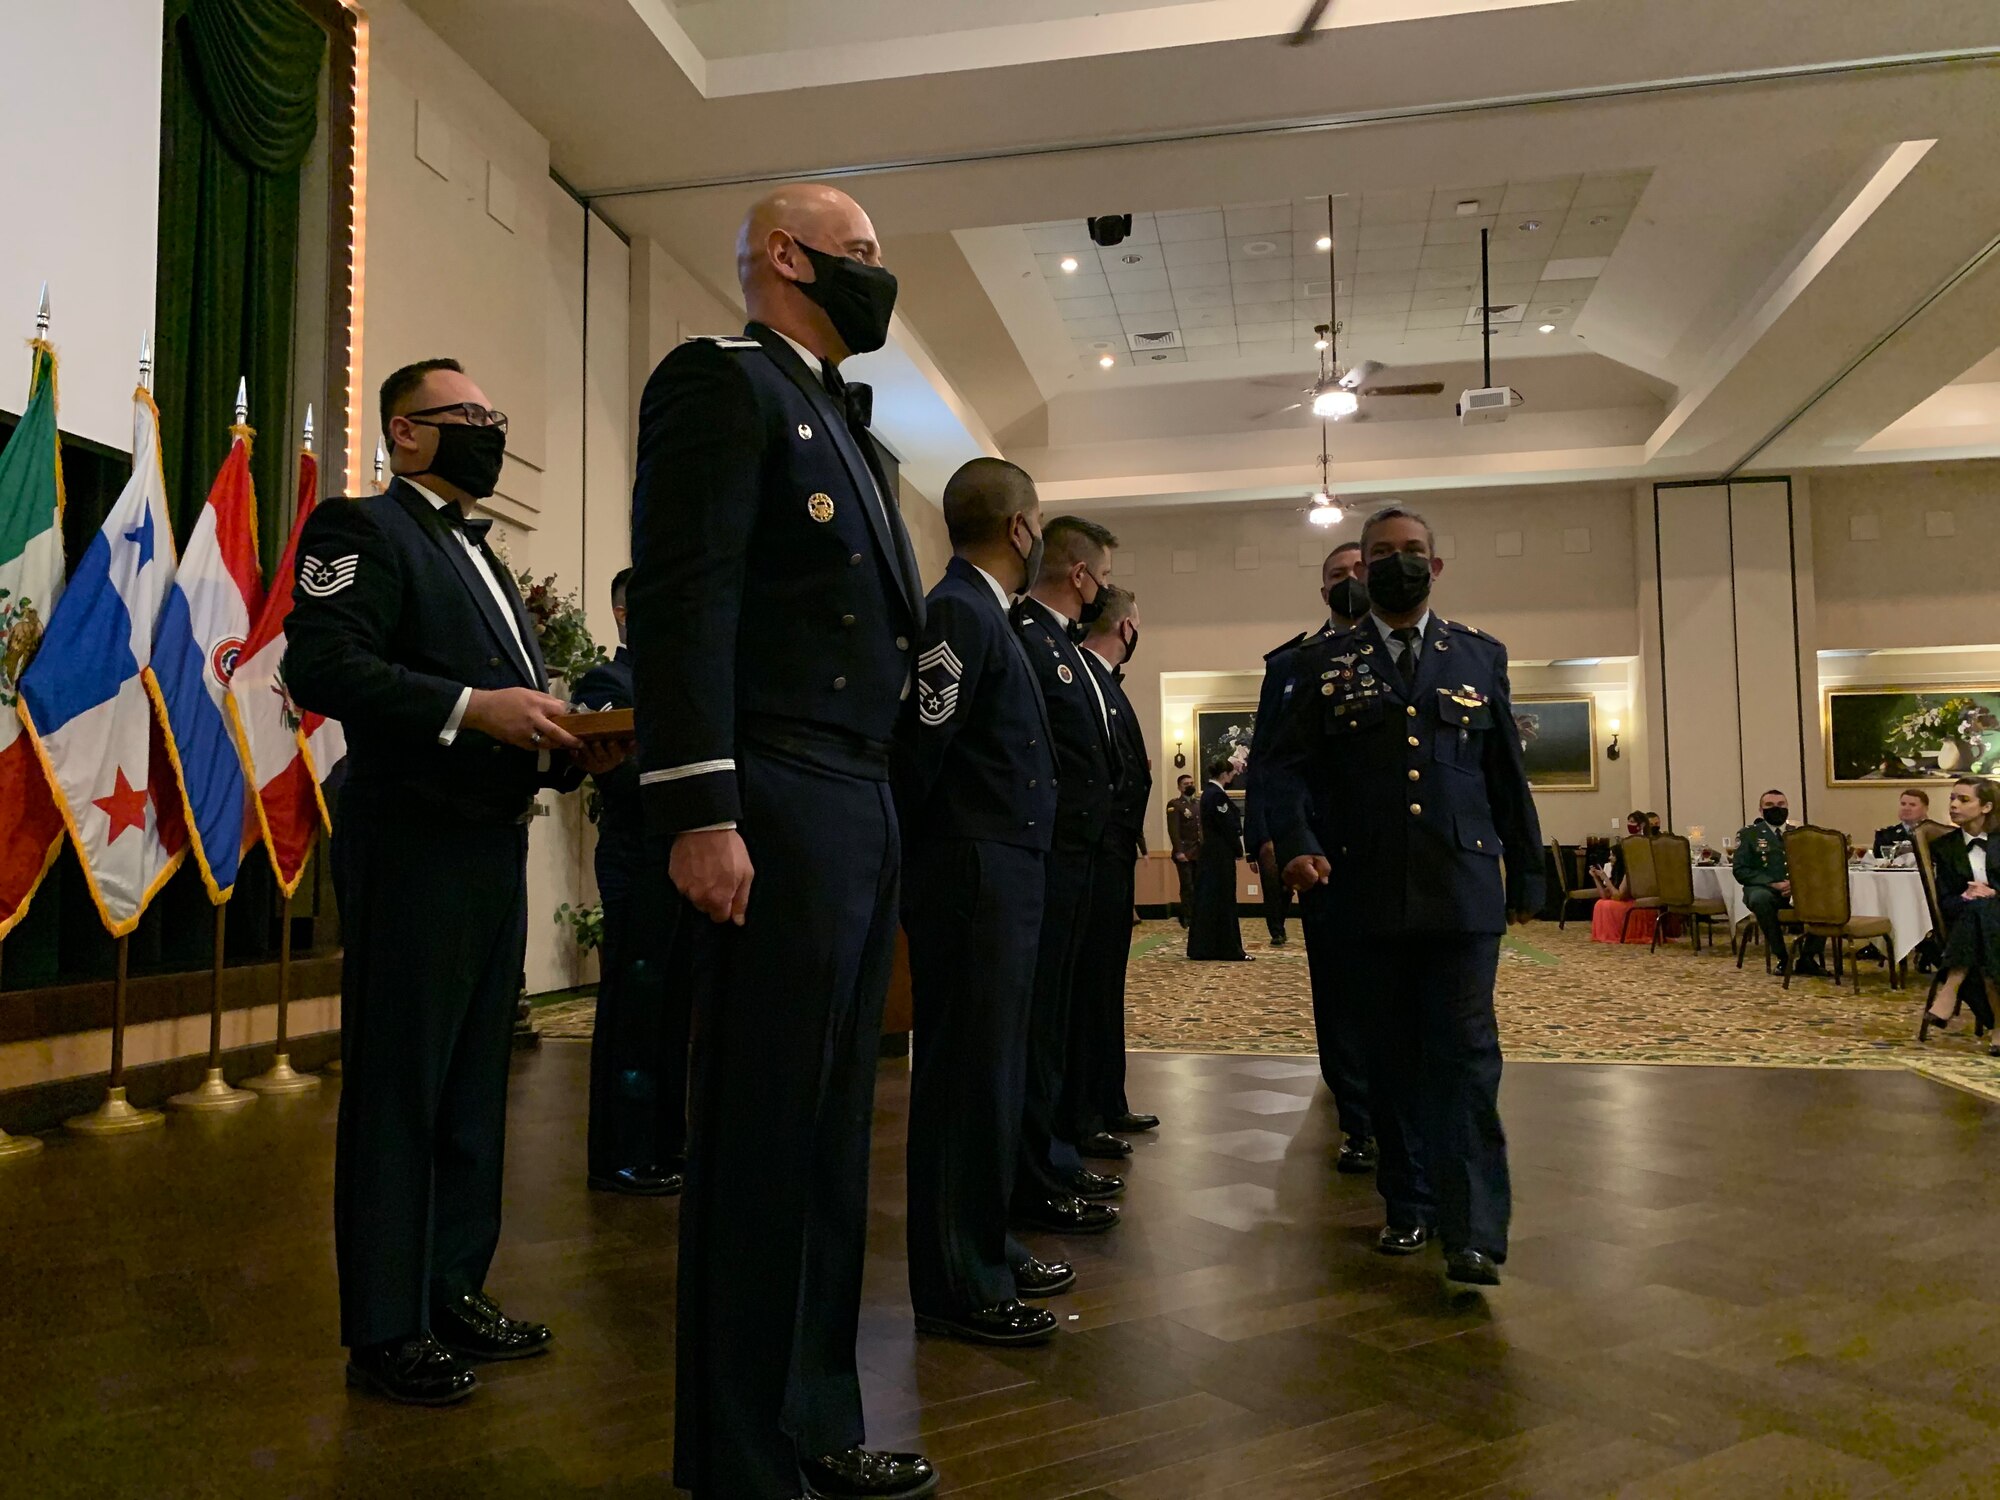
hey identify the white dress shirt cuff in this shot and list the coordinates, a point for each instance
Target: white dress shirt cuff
(712, 828)
(450, 731)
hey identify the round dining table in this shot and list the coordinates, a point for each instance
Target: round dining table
(1895, 894)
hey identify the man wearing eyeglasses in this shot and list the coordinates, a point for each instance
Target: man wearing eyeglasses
(407, 629)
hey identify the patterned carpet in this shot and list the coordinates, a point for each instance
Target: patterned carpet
(1561, 998)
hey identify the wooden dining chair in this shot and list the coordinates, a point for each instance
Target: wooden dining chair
(1673, 866)
(1573, 890)
(1642, 883)
(1817, 861)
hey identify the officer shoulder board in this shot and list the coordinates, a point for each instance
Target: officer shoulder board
(723, 340)
(1296, 641)
(1472, 630)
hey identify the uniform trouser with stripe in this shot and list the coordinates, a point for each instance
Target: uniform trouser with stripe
(972, 910)
(433, 913)
(1094, 1078)
(1337, 1019)
(1434, 1054)
(774, 1222)
(1064, 909)
(639, 1042)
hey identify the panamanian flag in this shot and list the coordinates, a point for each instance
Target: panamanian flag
(85, 703)
(217, 592)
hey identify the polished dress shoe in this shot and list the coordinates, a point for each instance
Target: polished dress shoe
(1005, 1323)
(1357, 1155)
(472, 1326)
(1088, 1185)
(859, 1474)
(1043, 1278)
(1067, 1215)
(640, 1182)
(1278, 941)
(418, 1371)
(1103, 1145)
(1396, 1241)
(1471, 1268)
(1130, 1122)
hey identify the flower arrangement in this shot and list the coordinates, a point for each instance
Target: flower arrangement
(1929, 726)
(586, 924)
(561, 630)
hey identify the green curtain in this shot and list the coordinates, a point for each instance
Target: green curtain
(238, 109)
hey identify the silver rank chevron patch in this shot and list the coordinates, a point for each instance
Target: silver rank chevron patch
(321, 580)
(938, 673)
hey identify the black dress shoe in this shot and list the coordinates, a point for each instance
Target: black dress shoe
(1093, 1186)
(859, 1474)
(1006, 1323)
(1395, 1241)
(1132, 1122)
(472, 1326)
(1810, 968)
(1357, 1155)
(1067, 1215)
(640, 1182)
(1104, 1146)
(419, 1372)
(1471, 1268)
(1931, 1022)
(1043, 1278)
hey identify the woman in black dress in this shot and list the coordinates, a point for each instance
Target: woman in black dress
(1214, 933)
(1965, 895)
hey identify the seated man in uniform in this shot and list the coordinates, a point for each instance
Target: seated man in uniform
(1760, 868)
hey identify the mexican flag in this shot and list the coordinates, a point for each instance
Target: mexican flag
(31, 580)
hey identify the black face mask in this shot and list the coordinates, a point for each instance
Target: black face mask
(857, 299)
(1032, 562)
(1091, 608)
(1399, 582)
(1348, 599)
(468, 457)
(1776, 816)
(1131, 647)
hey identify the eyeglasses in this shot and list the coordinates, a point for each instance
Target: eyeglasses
(471, 413)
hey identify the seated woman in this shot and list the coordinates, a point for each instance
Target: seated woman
(1608, 922)
(1966, 900)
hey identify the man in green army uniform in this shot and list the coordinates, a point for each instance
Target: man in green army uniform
(1761, 870)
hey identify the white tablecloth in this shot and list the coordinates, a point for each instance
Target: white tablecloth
(1895, 894)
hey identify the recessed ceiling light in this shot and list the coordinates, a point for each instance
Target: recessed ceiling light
(1556, 311)
(1069, 263)
(1260, 247)
(1319, 343)
(1105, 361)
(1133, 259)
(1468, 208)
(1324, 242)
(1531, 225)
(1548, 328)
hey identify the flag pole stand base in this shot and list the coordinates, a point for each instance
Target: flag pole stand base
(212, 1095)
(283, 1079)
(18, 1145)
(115, 1116)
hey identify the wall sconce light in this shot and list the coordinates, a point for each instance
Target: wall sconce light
(1611, 750)
(1180, 738)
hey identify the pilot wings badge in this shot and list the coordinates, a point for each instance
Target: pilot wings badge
(938, 673)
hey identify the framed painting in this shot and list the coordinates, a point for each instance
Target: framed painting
(1911, 735)
(1558, 742)
(1222, 731)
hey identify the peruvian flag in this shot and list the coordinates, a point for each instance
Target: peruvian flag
(31, 580)
(273, 732)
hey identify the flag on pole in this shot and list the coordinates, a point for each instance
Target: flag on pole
(31, 581)
(84, 702)
(273, 730)
(218, 590)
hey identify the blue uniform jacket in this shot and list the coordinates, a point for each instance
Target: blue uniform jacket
(1272, 701)
(1086, 759)
(769, 581)
(1413, 797)
(620, 823)
(975, 758)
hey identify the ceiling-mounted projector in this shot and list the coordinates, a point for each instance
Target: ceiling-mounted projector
(1488, 405)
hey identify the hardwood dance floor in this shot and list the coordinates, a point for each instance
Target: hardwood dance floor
(1725, 1282)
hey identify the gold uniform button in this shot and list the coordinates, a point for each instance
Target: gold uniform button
(1411, 710)
(1326, 690)
(839, 683)
(855, 562)
(902, 643)
(1413, 742)
(1416, 809)
(1413, 775)
(1479, 843)
(848, 621)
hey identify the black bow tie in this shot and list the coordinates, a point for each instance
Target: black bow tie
(855, 400)
(1978, 843)
(474, 527)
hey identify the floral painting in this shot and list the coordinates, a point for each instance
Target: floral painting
(1224, 733)
(1897, 734)
(1558, 743)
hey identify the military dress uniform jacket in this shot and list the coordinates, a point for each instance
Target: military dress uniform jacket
(390, 623)
(1184, 824)
(1412, 795)
(1273, 698)
(1086, 761)
(978, 706)
(773, 583)
(620, 839)
(1760, 855)
(1132, 788)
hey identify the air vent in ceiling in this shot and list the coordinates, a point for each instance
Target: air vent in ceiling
(1502, 312)
(1166, 338)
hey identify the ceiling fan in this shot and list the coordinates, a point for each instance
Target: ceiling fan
(1309, 24)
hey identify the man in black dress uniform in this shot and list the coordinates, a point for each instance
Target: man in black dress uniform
(1342, 1051)
(1052, 1188)
(1094, 1084)
(976, 794)
(1397, 778)
(639, 1040)
(775, 615)
(1184, 839)
(408, 629)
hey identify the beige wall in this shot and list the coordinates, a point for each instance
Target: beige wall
(1907, 587)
